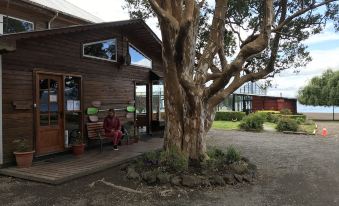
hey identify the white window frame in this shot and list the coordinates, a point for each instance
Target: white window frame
(2, 22)
(134, 47)
(97, 42)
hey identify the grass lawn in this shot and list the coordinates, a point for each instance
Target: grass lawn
(307, 128)
(226, 125)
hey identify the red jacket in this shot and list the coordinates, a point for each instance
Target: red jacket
(111, 123)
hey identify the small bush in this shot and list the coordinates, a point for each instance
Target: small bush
(232, 155)
(287, 124)
(273, 118)
(253, 122)
(301, 117)
(174, 159)
(217, 158)
(151, 157)
(229, 116)
(286, 112)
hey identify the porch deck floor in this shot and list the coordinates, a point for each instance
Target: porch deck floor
(64, 168)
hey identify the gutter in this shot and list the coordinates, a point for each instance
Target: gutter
(52, 19)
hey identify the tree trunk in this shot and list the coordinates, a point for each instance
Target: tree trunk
(187, 131)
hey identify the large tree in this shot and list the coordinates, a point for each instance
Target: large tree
(206, 57)
(321, 91)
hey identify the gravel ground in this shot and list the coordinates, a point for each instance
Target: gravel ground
(292, 170)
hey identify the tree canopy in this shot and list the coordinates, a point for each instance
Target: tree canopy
(211, 48)
(321, 91)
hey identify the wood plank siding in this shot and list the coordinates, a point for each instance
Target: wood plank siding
(106, 81)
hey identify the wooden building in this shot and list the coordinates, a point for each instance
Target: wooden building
(51, 76)
(253, 103)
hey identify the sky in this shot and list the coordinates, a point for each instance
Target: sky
(324, 47)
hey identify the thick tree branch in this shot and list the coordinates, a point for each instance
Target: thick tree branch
(214, 40)
(163, 14)
(251, 48)
(299, 13)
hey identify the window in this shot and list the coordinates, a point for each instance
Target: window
(13, 25)
(105, 50)
(138, 58)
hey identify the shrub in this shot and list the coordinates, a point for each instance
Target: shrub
(287, 124)
(286, 111)
(217, 158)
(232, 155)
(273, 118)
(301, 117)
(270, 115)
(253, 122)
(229, 116)
(174, 159)
(152, 156)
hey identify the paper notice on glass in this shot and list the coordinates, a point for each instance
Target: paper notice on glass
(76, 105)
(70, 105)
(53, 98)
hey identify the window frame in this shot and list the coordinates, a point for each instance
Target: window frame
(135, 48)
(16, 18)
(99, 58)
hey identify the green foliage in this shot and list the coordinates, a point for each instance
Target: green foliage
(232, 154)
(151, 156)
(229, 116)
(299, 117)
(287, 124)
(253, 122)
(286, 112)
(270, 115)
(321, 91)
(292, 52)
(174, 159)
(21, 145)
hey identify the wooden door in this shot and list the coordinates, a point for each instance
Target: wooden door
(49, 114)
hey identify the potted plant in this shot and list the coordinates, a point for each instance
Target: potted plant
(23, 154)
(78, 147)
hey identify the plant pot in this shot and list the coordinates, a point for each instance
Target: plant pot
(136, 140)
(24, 159)
(78, 149)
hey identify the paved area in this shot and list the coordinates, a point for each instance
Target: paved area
(293, 170)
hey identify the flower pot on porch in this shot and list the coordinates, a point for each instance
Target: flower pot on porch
(24, 159)
(78, 149)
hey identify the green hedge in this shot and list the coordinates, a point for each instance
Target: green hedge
(229, 116)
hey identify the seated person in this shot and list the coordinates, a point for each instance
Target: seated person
(112, 128)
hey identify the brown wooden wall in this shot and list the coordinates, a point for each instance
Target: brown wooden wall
(273, 103)
(38, 16)
(102, 80)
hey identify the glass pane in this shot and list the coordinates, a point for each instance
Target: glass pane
(43, 99)
(140, 101)
(72, 93)
(12, 25)
(137, 58)
(53, 96)
(103, 50)
(157, 100)
(54, 118)
(43, 119)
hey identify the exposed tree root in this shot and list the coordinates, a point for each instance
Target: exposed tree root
(126, 189)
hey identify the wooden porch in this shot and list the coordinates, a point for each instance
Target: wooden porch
(67, 167)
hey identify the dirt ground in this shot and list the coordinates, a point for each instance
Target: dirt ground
(292, 170)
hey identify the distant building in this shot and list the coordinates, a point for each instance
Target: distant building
(252, 97)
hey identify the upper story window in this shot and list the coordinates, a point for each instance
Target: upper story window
(105, 50)
(138, 58)
(13, 25)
